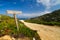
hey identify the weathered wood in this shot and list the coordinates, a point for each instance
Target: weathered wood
(13, 12)
(16, 22)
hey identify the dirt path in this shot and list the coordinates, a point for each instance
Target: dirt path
(45, 32)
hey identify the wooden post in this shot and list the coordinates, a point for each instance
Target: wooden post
(16, 22)
(0, 17)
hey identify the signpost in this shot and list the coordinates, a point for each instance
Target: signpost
(0, 17)
(14, 13)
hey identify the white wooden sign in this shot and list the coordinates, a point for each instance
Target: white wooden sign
(13, 12)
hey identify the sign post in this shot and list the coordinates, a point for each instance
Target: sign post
(16, 22)
(14, 13)
(0, 17)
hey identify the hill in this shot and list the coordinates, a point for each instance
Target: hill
(8, 27)
(47, 19)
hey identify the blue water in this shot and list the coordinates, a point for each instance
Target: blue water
(22, 18)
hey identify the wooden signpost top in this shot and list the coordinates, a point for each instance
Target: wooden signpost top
(13, 12)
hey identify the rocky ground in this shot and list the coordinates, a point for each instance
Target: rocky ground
(8, 37)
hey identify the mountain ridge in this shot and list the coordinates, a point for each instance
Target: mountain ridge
(52, 18)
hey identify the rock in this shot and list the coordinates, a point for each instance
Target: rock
(7, 37)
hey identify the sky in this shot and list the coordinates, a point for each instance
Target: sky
(29, 8)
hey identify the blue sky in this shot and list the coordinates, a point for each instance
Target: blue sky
(29, 8)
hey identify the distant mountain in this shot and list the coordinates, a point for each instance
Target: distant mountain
(49, 19)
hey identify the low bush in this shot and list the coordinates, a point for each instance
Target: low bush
(8, 27)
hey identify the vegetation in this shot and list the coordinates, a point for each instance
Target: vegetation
(47, 19)
(8, 27)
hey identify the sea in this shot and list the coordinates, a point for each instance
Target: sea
(22, 18)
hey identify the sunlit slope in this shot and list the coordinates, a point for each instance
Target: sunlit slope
(47, 19)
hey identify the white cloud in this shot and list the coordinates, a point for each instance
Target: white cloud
(28, 15)
(45, 3)
(49, 3)
(57, 2)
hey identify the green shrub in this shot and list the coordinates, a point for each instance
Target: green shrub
(8, 27)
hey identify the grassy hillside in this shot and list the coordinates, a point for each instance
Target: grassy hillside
(47, 19)
(8, 27)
